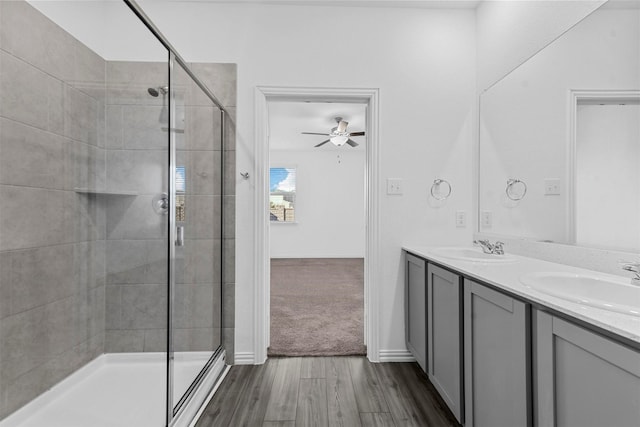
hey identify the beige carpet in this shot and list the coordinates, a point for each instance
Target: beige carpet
(317, 307)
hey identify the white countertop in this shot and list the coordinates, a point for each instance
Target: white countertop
(506, 276)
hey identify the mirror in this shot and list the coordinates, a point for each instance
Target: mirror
(560, 138)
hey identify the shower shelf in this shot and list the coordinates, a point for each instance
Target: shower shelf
(104, 192)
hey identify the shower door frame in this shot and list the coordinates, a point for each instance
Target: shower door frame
(206, 382)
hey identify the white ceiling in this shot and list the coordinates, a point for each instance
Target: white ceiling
(288, 119)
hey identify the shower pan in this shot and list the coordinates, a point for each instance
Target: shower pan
(111, 221)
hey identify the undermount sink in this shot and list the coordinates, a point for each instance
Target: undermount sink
(471, 254)
(592, 290)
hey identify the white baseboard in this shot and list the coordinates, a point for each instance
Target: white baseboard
(396, 356)
(244, 358)
(248, 357)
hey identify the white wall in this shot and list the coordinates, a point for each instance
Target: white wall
(510, 32)
(330, 220)
(423, 62)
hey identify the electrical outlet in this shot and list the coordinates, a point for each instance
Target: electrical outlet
(394, 186)
(486, 219)
(552, 187)
(461, 219)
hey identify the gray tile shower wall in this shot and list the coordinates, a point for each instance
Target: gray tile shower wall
(83, 273)
(52, 248)
(136, 148)
(136, 294)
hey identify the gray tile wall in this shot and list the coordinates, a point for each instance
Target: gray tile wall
(83, 273)
(136, 146)
(52, 248)
(136, 236)
(221, 79)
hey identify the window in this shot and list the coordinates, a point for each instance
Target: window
(181, 179)
(181, 189)
(282, 194)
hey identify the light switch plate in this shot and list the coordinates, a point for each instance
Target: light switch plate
(394, 186)
(461, 219)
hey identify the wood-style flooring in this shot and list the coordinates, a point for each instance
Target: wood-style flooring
(326, 391)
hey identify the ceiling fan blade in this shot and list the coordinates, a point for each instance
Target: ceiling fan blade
(314, 133)
(322, 143)
(342, 126)
(356, 134)
(352, 143)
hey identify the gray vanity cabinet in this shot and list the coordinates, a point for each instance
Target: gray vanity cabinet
(582, 378)
(416, 308)
(444, 338)
(496, 358)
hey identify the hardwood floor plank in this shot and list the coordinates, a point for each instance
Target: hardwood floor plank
(251, 411)
(283, 398)
(376, 419)
(290, 423)
(313, 367)
(369, 394)
(426, 397)
(402, 406)
(222, 406)
(341, 398)
(312, 403)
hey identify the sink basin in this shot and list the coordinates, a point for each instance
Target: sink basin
(596, 291)
(471, 254)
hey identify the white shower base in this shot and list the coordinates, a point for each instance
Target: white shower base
(115, 389)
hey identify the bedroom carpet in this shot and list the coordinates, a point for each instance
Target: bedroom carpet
(317, 307)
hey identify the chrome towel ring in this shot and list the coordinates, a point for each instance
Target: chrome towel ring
(436, 186)
(513, 187)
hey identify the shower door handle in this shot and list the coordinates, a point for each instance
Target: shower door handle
(180, 235)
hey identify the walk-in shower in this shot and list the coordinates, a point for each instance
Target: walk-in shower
(113, 235)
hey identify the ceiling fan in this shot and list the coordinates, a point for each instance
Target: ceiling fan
(338, 135)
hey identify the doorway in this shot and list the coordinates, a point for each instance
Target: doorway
(317, 153)
(603, 156)
(368, 98)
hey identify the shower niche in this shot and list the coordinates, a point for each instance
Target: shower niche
(111, 219)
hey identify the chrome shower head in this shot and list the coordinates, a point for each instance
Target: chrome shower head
(155, 91)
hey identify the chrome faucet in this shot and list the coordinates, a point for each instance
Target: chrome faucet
(633, 267)
(490, 248)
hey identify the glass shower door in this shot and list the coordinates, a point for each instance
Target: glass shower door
(196, 192)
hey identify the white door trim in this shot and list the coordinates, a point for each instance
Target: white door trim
(264, 94)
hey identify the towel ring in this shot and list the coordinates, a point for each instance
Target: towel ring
(510, 189)
(436, 184)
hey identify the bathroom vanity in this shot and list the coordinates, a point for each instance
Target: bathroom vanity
(503, 351)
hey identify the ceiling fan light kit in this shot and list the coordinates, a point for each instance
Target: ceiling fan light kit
(338, 141)
(338, 135)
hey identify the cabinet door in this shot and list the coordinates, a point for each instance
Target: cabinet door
(415, 308)
(444, 336)
(582, 378)
(496, 359)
